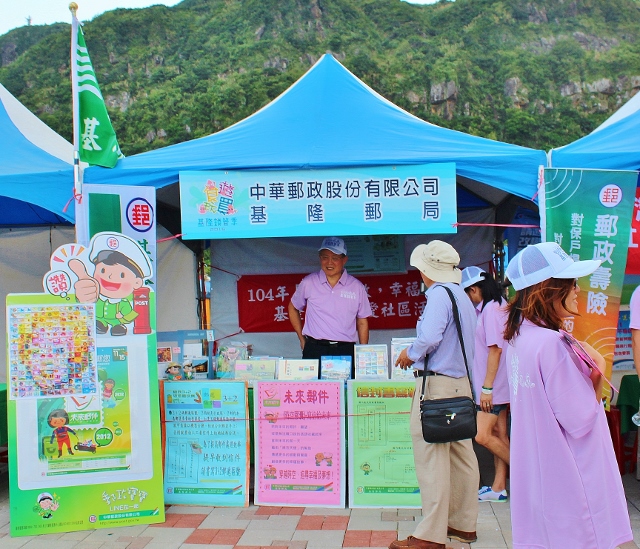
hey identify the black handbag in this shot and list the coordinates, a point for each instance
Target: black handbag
(448, 419)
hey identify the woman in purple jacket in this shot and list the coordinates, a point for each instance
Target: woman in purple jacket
(566, 491)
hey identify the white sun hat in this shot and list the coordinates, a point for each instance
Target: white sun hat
(471, 275)
(539, 262)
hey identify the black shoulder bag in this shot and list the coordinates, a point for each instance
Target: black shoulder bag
(449, 419)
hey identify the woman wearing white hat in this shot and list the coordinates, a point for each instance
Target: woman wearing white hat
(566, 491)
(490, 384)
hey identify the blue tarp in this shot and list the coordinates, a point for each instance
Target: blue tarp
(615, 145)
(35, 185)
(329, 118)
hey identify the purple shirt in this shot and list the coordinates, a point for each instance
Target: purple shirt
(489, 330)
(330, 313)
(566, 491)
(634, 309)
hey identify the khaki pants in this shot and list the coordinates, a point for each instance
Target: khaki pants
(447, 473)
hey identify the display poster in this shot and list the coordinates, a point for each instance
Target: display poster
(623, 355)
(369, 200)
(518, 238)
(82, 363)
(595, 226)
(383, 253)
(396, 301)
(381, 467)
(124, 209)
(299, 443)
(207, 443)
(371, 361)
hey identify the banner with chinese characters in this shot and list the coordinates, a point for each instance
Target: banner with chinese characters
(588, 212)
(417, 199)
(121, 209)
(633, 259)
(381, 467)
(83, 412)
(299, 443)
(395, 300)
(206, 443)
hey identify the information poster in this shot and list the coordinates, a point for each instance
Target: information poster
(207, 443)
(381, 467)
(588, 213)
(81, 366)
(299, 443)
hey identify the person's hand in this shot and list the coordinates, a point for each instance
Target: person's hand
(486, 402)
(86, 288)
(403, 360)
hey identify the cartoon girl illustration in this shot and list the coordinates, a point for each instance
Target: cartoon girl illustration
(58, 419)
(107, 393)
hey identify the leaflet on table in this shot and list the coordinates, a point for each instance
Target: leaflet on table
(299, 443)
(381, 467)
(372, 362)
(398, 344)
(297, 369)
(207, 443)
(335, 367)
(227, 356)
(252, 369)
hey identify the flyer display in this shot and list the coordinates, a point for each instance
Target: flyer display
(80, 359)
(381, 467)
(299, 443)
(207, 443)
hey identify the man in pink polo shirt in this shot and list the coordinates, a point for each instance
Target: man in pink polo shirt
(336, 307)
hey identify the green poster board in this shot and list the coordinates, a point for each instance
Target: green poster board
(83, 408)
(381, 467)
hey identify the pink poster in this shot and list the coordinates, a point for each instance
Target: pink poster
(299, 434)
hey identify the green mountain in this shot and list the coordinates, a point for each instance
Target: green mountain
(539, 73)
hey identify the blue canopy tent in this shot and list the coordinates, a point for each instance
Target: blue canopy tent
(36, 171)
(614, 145)
(329, 118)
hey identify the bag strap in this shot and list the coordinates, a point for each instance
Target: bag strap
(456, 318)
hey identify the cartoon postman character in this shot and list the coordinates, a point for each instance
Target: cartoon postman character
(121, 266)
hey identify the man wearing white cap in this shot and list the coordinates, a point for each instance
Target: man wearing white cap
(121, 267)
(336, 307)
(447, 473)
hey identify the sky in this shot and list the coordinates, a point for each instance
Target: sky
(45, 12)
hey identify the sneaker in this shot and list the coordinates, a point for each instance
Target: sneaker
(487, 494)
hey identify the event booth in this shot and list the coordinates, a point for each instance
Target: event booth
(331, 119)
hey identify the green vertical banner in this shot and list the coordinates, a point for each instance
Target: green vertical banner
(588, 213)
(381, 467)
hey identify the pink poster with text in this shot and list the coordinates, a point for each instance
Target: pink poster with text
(300, 442)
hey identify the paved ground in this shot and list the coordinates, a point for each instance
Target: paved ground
(277, 528)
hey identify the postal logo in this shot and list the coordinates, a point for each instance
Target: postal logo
(140, 215)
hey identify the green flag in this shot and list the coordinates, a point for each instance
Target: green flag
(95, 138)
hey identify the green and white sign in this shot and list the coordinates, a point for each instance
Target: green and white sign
(381, 468)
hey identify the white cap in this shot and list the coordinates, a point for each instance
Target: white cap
(333, 244)
(540, 262)
(471, 275)
(437, 260)
(103, 244)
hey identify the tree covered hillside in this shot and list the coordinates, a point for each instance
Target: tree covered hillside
(539, 73)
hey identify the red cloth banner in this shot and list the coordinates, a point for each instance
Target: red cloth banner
(633, 258)
(263, 301)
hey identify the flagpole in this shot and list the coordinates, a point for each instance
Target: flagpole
(77, 172)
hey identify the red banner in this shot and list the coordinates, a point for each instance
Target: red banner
(263, 301)
(633, 258)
